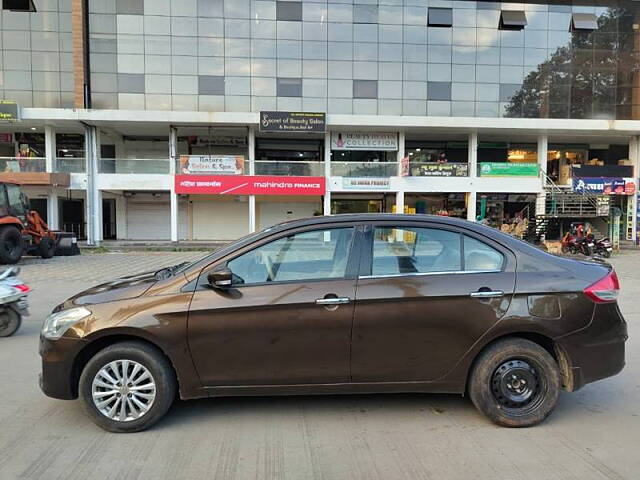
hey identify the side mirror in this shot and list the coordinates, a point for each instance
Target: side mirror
(220, 278)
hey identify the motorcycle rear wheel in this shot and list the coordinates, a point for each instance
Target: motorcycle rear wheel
(10, 321)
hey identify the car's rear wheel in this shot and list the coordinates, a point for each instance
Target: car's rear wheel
(127, 387)
(515, 382)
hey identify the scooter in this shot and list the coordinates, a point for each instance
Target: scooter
(13, 301)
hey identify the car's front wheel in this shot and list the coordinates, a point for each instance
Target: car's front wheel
(127, 387)
(515, 382)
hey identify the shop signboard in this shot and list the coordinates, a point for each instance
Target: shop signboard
(441, 170)
(220, 141)
(638, 218)
(204, 164)
(248, 185)
(349, 183)
(314, 122)
(369, 141)
(6, 137)
(605, 186)
(9, 111)
(509, 169)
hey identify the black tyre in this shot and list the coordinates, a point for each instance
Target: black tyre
(47, 247)
(515, 382)
(606, 253)
(127, 387)
(10, 321)
(10, 244)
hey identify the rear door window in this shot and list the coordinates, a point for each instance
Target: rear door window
(408, 250)
(411, 250)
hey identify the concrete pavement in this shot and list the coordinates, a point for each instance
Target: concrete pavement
(593, 434)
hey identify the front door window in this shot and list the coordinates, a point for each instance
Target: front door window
(316, 255)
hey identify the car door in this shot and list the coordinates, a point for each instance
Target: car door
(425, 294)
(287, 317)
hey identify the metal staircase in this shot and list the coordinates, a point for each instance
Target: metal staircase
(560, 203)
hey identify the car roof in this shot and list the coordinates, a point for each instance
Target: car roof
(372, 217)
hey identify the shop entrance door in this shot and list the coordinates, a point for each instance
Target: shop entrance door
(72, 215)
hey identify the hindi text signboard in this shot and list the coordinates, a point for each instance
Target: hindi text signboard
(249, 185)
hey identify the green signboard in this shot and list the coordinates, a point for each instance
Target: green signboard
(8, 111)
(506, 169)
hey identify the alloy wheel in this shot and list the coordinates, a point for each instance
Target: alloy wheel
(123, 390)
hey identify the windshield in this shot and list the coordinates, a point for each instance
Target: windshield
(181, 267)
(16, 200)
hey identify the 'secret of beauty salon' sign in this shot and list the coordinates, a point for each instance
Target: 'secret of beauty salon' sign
(374, 141)
(292, 122)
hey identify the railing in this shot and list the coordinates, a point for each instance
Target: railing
(364, 169)
(289, 168)
(434, 169)
(69, 165)
(562, 199)
(134, 165)
(22, 164)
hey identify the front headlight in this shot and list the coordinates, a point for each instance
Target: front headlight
(57, 323)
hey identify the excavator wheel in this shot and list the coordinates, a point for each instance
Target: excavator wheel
(11, 247)
(47, 247)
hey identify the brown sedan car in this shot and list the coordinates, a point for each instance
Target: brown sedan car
(342, 304)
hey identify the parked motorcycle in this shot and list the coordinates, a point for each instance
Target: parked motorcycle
(574, 244)
(13, 301)
(603, 246)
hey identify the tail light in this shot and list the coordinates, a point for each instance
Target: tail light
(604, 290)
(22, 287)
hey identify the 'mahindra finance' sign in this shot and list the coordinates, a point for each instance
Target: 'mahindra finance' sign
(292, 122)
(249, 185)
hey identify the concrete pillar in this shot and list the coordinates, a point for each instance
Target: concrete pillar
(541, 198)
(251, 145)
(472, 198)
(400, 202)
(50, 149)
(173, 157)
(400, 153)
(53, 216)
(472, 156)
(326, 206)
(94, 202)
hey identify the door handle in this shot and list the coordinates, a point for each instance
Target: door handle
(333, 301)
(487, 294)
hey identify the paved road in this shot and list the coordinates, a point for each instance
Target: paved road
(594, 433)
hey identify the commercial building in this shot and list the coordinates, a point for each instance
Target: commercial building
(208, 119)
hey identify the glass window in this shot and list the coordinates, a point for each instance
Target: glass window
(365, 14)
(407, 250)
(289, 87)
(479, 256)
(440, 17)
(15, 199)
(584, 21)
(439, 90)
(365, 89)
(512, 20)
(320, 254)
(291, 11)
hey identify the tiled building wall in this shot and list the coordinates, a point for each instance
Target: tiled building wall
(360, 57)
(36, 68)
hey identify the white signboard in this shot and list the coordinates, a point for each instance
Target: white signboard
(218, 164)
(349, 183)
(374, 141)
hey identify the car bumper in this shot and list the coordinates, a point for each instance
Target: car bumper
(597, 351)
(58, 378)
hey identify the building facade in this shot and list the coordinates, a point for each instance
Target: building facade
(208, 119)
